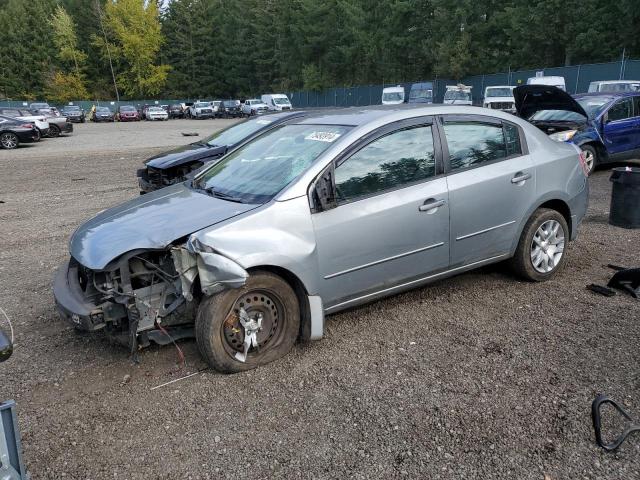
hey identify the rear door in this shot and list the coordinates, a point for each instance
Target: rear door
(620, 131)
(391, 224)
(491, 181)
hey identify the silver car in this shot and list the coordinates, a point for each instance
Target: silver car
(318, 215)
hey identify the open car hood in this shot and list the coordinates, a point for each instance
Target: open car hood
(151, 221)
(533, 98)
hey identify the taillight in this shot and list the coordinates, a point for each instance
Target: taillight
(583, 163)
(27, 125)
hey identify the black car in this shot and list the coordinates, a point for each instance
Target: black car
(13, 132)
(177, 165)
(102, 114)
(230, 108)
(176, 111)
(74, 114)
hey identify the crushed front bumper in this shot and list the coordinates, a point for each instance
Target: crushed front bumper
(75, 308)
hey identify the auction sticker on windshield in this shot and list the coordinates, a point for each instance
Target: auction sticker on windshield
(322, 136)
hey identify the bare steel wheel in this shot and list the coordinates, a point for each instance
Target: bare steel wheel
(240, 329)
(540, 252)
(547, 246)
(9, 140)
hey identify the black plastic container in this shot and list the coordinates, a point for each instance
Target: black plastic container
(625, 198)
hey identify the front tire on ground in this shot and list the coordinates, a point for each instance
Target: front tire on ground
(591, 157)
(220, 335)
(541, 249)
(54, 131)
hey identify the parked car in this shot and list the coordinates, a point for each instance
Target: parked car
(319, 215)
(277, 102)
(176, 111)
(215, 106)
(74, 113)
(58, 126)
(40, 108)
(231, 109)
(176, 165)
(551, 81)
(157, 113)
(127, 113)
(605, 126)
(40, 121)
(614, 86)
(393, 95)
(254, 106)
(421, 93)
(499, 97)
(200, 110)
(458, 95)
(13, 132)
(143, 111)
(102, 114)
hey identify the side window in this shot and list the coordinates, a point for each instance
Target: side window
(472, 143)
(620, 110)
(512, 139)
(397, 159)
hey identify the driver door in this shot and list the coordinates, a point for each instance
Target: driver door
(391, 223)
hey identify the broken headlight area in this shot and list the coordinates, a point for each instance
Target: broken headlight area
(135, 294)
(159, 177)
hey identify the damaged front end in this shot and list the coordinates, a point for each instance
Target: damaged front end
(144, 295)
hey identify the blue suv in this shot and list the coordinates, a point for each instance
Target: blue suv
(606, 126)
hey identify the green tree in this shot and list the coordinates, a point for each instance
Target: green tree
(134, 39)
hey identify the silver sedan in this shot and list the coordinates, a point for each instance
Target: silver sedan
(318, 215)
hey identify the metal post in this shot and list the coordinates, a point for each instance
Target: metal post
(577, 79)
(624, 50)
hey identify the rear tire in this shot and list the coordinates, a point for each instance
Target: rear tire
(533, 247)
(9, 140)
(220, 336)
(591, 159)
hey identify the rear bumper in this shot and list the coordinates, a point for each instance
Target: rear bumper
(28, 137)
(74, 307)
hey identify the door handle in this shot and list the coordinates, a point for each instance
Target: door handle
(431, 204)
(521, 177)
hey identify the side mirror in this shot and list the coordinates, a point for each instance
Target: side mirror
(6, 347)
(322, 194)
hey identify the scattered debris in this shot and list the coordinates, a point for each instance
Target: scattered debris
(125, 379)
(607, 292)
(190, 134)
(178, 379)
(628, 280)
(78, 179)
(595, 416)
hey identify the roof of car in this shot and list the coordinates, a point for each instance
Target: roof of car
(607, 94)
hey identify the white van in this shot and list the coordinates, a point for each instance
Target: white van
(277, 101)
(614, 86)
(458, 95)
(393, 95)
(553, 81)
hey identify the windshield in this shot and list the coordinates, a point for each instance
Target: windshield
(40, 105)
(392, 97)
(102, 109)
(156, 109)
(619, 87)
(229, 103)
(71, 108)
(457, 95)
(127, 109)
(499, 92)
(256, 172)
(201, 105)
(236, 133)
(421, 93)
(281, 101)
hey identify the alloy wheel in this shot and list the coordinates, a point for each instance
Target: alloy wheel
(8, 140)
(547, 246)
(589, 159)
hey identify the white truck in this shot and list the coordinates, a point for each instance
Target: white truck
(499, 97)
(458, 95)
(551, 80)
(614, 86)
(277, 102)
(393, 95)
(200, 110)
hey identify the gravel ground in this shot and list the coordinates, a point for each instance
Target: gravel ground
(478, 376)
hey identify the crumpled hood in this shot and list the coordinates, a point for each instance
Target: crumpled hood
(533, 98)
(186, 154)
(151, 221)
